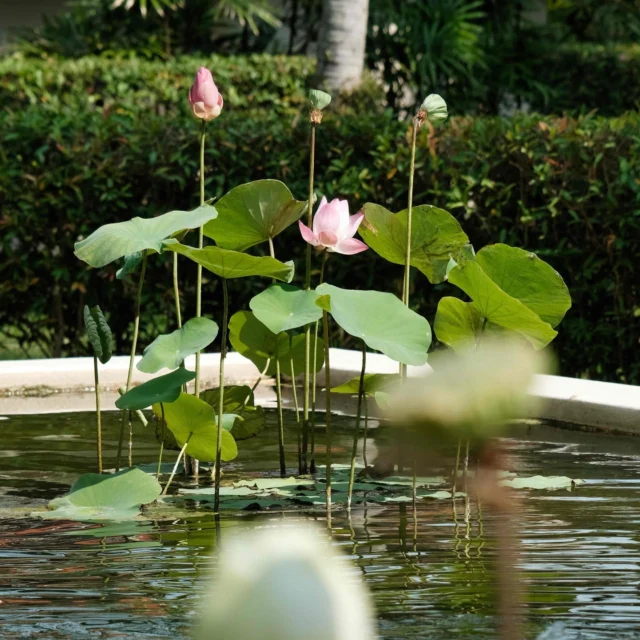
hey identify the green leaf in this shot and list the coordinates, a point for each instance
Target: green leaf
(435, 107)
(436, 236)
(249, 337)
(192, 419)
(169, 351)
(97, 496)
(99, 333)
(499, 307)
(233, 264)
(524, 276)
(458, 324)
(382, 321)
(252, 213)
(130, 265)
(249, 420)
(319, 99)
(282, 307)
(119, 239)
(373, 382)
(161, 389)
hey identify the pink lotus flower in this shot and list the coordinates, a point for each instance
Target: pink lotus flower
(334, 228)
(204, 97)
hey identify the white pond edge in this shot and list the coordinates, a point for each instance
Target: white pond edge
(55, 385)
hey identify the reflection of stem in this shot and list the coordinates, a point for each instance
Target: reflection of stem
(162, 436)
(295, 403)
(134, 344)
(175, 466)
(454, 485)
(414, 495)
(283, 468)
(312, 466)
(223, 355)
(307, 329)
(98, 417)
(364, 435)
(327, 384)
(200, 244)
(356, 433)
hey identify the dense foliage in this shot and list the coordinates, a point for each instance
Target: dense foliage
(567, 189)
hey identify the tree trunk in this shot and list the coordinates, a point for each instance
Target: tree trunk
(342, 41)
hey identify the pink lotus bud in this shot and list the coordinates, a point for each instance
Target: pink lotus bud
(334, 228)
(204, 97)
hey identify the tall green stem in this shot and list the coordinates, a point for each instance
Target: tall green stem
(200, 243)
(163, 427)
(98, 417)
(175, 466)
(223, 355)
(295, 403)
(307, 329)
(327, 383)
(134, 345)
(176, 290)
(312, 465)
(283, 468)
(354, 450)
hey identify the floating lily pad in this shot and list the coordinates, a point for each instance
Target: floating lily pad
(164, 389)
(252, 213)
(541, 482)
(233, 264)
(120, 239)
(97, 496)
(436, 236)
(282, 307)
(275, 483)
(192, 420)
(169, 351)
(382, 321)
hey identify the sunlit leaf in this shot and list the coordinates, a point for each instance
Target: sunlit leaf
(119, 239)
(282, 307)
(458, 324)
(238, 401)
(169, 351)
(373, 382)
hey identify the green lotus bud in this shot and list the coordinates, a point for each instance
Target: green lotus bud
(435, 107)
(470, 396)
(319, 99)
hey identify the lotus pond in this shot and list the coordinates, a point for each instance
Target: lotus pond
(431, 577)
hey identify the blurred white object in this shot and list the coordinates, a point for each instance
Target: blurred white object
(285, 583)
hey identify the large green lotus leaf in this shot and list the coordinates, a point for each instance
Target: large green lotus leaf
(282, 307)
(119, 239)
(458, 324)
(99, 332)
(192, 419)
(373, 382)
(164, 388)
(233, 264)
(382, 321)
(249, 337)
(498, 306)
(436, 236)
(169, 351)
(248, 420)
(252, 213)
(527, 278)
(96, 496)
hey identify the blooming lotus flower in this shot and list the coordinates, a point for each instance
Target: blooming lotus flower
(334, 228)
(204, 97)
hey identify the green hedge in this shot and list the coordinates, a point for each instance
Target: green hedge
(567, 189)
(585, 76)
(134, 84)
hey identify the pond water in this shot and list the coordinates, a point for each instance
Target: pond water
(581, 560)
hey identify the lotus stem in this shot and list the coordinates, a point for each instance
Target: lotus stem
(223, 355)
(354, 450)
(283, 468)
(98, 416)
(200, 244)
(176, 290)
(138, 413)
(263, 373)
(134, 344)
(130, 458)
(175, 466)
(365, 433)
(307, 329)
(296, 404)
(327, 383)
(162, 435)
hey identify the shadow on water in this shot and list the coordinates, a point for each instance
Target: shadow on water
(431, 575)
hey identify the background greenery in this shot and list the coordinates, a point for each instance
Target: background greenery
(102, 132)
